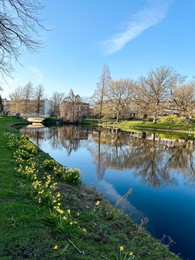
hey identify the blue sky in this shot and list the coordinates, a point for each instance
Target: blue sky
(130, 36)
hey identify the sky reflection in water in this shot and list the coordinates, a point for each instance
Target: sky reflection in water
(160, 172)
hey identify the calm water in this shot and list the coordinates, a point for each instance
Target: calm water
(160, 172)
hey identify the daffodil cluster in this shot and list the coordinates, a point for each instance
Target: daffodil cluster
(43, 188)
(44, 179)
(69, 175)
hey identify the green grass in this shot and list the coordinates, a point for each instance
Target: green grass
(149, 126)
(28, 229)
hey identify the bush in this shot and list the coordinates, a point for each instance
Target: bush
(174, 120)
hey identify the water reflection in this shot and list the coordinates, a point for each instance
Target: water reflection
(152, 158)
(160, 171)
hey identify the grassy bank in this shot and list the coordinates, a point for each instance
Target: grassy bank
(46, 212)
(149, 126)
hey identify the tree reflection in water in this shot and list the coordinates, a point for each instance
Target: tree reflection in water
(153, 159)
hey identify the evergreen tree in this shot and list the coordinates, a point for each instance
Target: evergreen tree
(1, 105)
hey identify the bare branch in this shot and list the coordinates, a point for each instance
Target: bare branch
(19, 29)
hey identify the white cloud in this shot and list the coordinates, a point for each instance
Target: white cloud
(137, 24)
(37, 73)
(110, 193)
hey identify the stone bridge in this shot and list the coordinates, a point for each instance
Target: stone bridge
(35, 119)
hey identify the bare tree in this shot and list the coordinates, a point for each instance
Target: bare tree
(184, 98)
(22, 100)
(154, 91)
(55, 103)
(39, 99)
(119, 96)
(27, 95)
(71, 107)
(100, 92)
(16, 105)
(19, 27)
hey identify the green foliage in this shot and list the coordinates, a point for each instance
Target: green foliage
(43, 217)
(173, 119)
(72, 176)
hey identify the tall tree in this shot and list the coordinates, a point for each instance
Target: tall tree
(55, 103)
(19, 27)
(70, 109)
(154, 90)
(27, 95)
(100, 92)
(119, 96)
(16, 105)
(184, 98)
(38, 99)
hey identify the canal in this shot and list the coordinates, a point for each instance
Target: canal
(159, 172)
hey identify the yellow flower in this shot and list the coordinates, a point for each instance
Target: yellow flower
(121, 248)
(131, 253)
(97, 203)
(71, 223)
(68, 211)
(55, 247)
(64, 217)
(60, 210)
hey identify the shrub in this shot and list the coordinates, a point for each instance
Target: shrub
(173, 119)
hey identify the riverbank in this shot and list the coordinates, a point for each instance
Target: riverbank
(151, 127)
(79, 225)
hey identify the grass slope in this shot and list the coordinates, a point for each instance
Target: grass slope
(27, 229)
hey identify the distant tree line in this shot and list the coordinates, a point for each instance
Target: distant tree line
(29, 100)
(162, 91)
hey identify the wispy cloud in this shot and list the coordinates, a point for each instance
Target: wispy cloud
(138, 23)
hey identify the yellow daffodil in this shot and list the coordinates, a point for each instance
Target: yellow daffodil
(97, 203)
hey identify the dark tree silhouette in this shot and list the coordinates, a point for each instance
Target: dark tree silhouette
(19, 27)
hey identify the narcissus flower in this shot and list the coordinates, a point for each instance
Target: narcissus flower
(97, 203)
